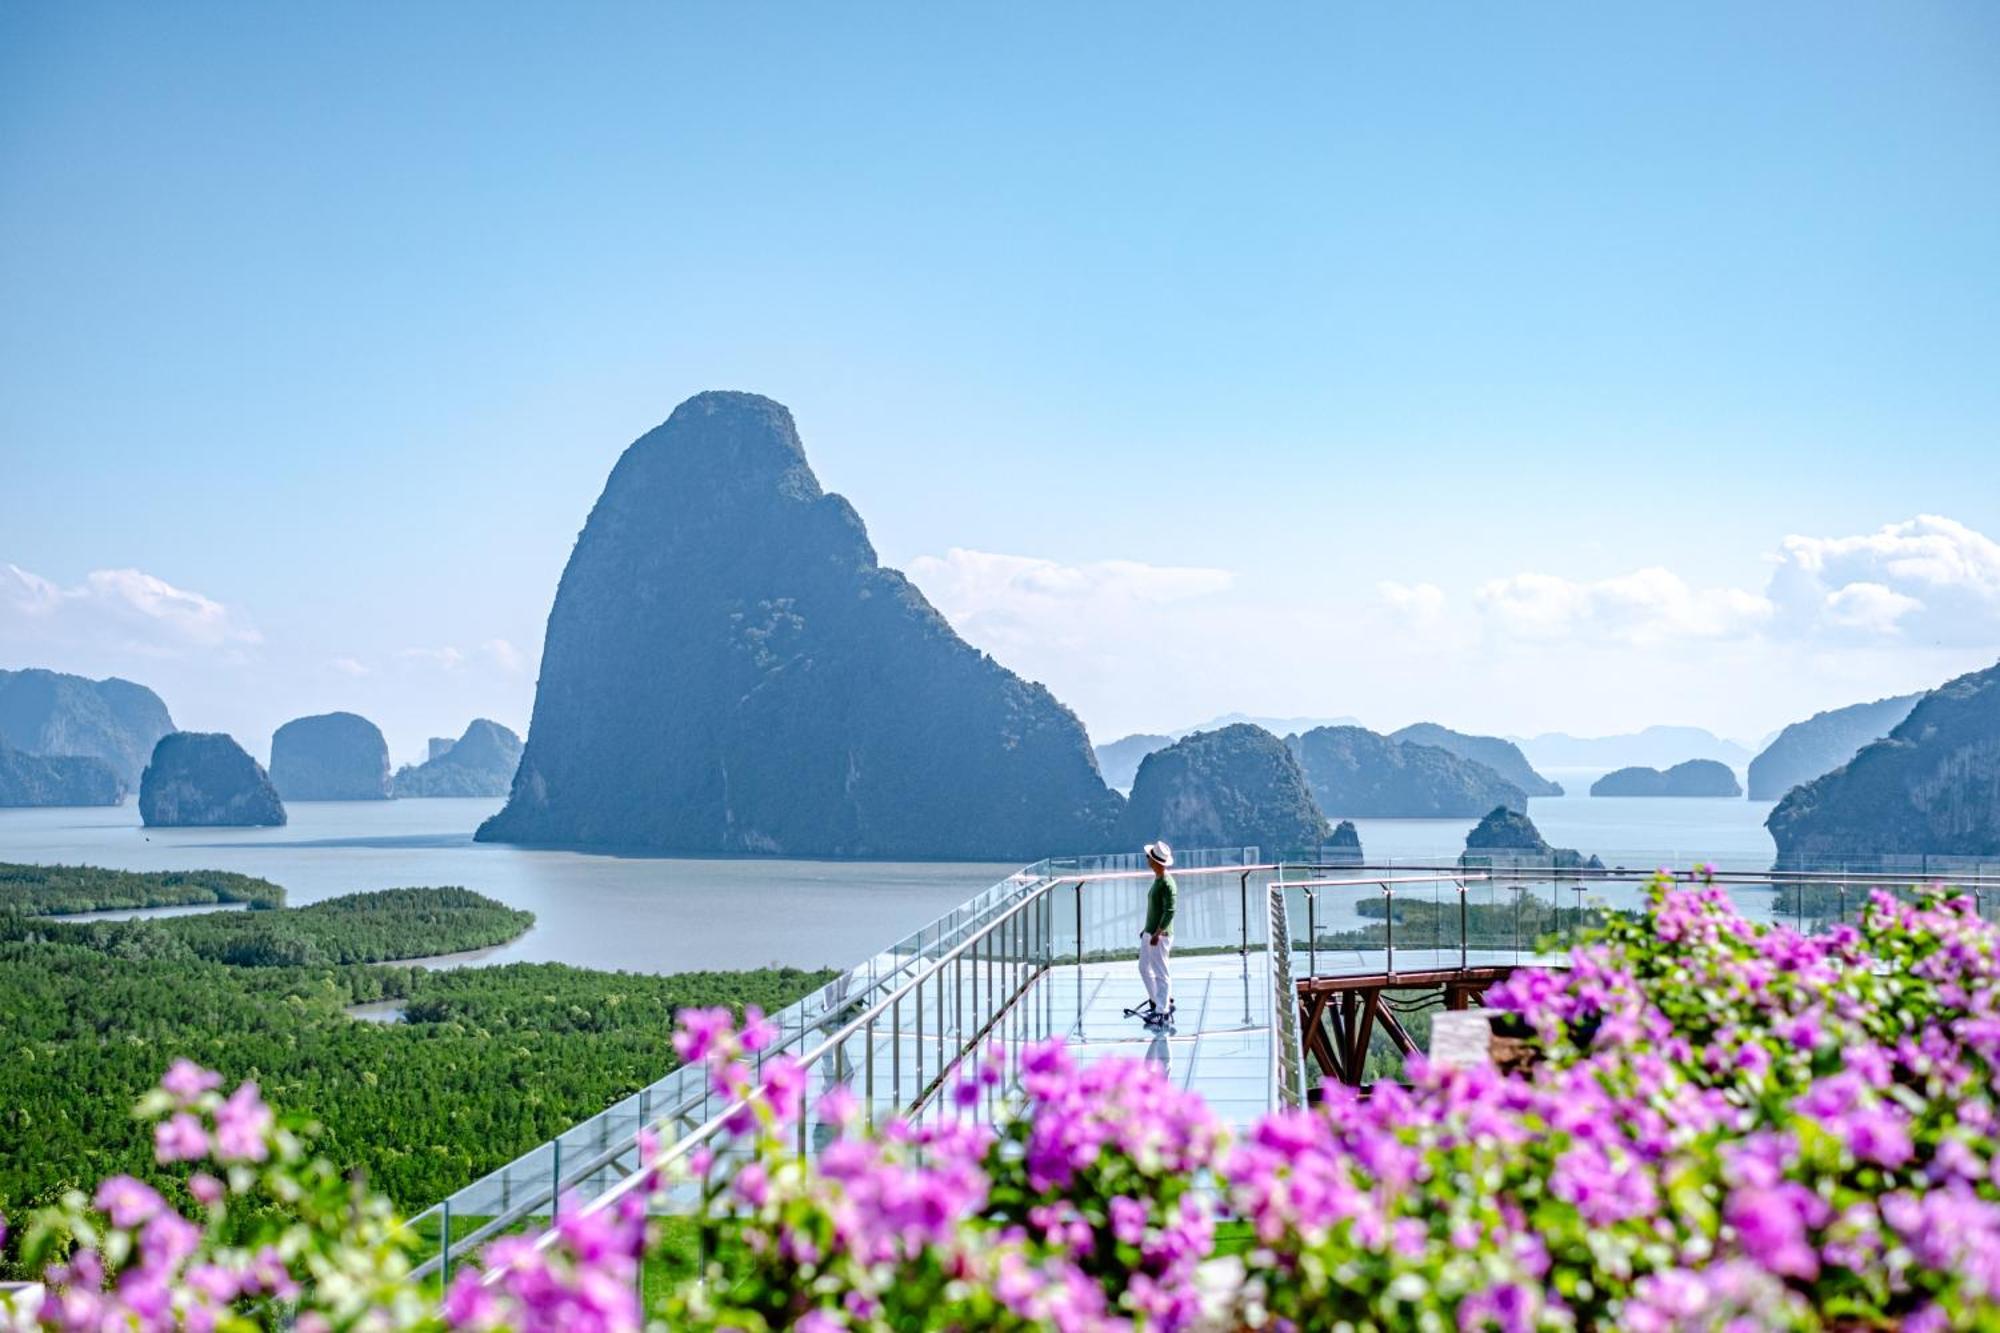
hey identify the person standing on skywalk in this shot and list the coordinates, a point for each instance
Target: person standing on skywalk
(1156, 938)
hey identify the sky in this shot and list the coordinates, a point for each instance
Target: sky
(1524, 368)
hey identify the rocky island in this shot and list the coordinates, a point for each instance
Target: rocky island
(479, 763)
(1502, 756)
(205, 779)
(1236, 786)
(1506, 836)
(728, 668)
(1344, 847)
(330, 757)
(39, 780)
(1931, 787)
(1822, 743)
(1354, 771)
(50, 714)
(1695, 777)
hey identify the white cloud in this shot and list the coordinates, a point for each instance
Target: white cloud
(505, 656)
(348, 666)
(115, 611)
(1421, 604)
(997, 600)
(1869, 607)
(446, 658)
(1929, 579)
(1643, 608)
(962, 579)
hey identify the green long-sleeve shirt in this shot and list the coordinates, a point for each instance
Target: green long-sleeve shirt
(1160, 905)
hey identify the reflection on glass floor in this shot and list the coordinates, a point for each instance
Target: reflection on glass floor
(1220, 1042)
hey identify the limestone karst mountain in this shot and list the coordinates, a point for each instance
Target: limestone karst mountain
(50, 713)
(1356, 772)
(1931, 787)
(56, 780)
(728, 669)
(205, 779)
(479, 763)
(330, 757)
(1502, 756)
(1119, 760)
(1694, 777)
(1236, 786)
(1822, 743)
(1507, 836)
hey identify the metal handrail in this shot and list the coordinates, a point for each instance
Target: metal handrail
(1288, 1081)
(1243, 872)
(1467, 876)
(1383, 882)
(708, 1129)
(685, 1145)
(1501, 868)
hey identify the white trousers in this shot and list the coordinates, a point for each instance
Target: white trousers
(1153, 973)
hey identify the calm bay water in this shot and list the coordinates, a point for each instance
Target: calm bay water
(1624, 830)
(643, 914)
(669, 914)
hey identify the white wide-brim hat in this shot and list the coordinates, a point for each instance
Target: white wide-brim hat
(1159, 851)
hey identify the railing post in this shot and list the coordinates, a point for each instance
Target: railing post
(918, 1049)
(444, 1241)
(1312, 930)
(868, 1039)
(896, 1053)
(1463, 929)
(1243, 915)
(1079, 923)
(555, 1181)
(1388, 932)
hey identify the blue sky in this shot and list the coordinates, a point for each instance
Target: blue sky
(1193, 359)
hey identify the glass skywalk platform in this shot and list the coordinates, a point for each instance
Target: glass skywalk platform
(1051, 951)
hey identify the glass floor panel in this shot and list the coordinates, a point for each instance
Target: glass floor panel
(1219, 1044)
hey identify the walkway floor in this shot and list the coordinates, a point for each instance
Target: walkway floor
(1219, 1045)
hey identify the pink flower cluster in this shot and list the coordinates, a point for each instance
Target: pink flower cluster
(1077, 1214)
(1733, 1126)
(586, 1282)
(134, 1261)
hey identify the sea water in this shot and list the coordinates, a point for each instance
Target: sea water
(671, 914)
(643, 914)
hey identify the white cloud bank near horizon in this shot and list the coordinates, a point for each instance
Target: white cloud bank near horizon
(217, 671)
(122, 610)
(1133, 646)
(1929, 580)
(1838, 619)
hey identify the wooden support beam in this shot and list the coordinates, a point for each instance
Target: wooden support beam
(1397, 1032)
(1478, 977)
(1368, 1003)
(1338, 1015)
(1318, 1042)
